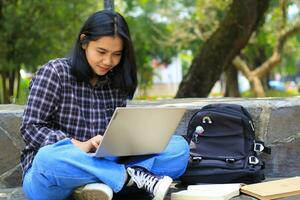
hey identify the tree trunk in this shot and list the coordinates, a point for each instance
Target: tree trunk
(18, 83)
(232, 86)
(8, 85)
(257, 87)
(4, 76)
(263, 70)
(265, 81)
(11, 81)
(222, 47)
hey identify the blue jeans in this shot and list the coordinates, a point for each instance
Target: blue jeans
(60, 168)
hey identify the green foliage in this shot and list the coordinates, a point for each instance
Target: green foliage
(24, 92)
(35, 31)
(263, 41)
(147, 31)
(163, 29)
(186, 59)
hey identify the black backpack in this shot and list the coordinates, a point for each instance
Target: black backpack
(223, 148)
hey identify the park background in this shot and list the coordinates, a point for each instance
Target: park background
(184, 48)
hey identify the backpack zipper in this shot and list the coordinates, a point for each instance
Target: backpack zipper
(251, 124)
(228, 160)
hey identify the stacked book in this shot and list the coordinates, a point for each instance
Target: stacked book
(208, 192)
(268, 190)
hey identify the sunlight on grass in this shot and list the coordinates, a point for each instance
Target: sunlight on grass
(272, 93)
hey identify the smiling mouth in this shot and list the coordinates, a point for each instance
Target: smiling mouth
(104, 68)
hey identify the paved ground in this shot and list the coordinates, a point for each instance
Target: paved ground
(16, 194)
(11, 194)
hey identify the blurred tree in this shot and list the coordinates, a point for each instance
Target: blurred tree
(284, 30)
(160, 29)
(212, 31)
(217, 53)
(163, 29)
(33, 31)
(150, 25)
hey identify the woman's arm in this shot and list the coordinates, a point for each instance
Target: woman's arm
(37, 127)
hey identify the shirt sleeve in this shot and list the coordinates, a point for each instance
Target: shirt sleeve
(37, 128)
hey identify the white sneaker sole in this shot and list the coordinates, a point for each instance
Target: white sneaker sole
(95, 191)
(163, 188)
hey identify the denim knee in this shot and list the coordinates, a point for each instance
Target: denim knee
(45, 157)
(178, 145)
(173, 160)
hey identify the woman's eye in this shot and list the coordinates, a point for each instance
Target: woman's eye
(101, 52)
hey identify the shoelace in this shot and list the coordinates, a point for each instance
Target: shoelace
(145, 180)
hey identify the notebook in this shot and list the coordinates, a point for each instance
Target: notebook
(139, 131)
(275, 189)
(208, 192)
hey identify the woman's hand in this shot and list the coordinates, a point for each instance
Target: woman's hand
(90, 145)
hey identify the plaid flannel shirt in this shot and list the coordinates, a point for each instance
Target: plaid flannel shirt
(60, 107)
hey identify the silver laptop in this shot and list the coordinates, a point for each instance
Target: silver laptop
(139, 131)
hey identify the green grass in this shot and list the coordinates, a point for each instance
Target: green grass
(153, 97)
(247, 94)
(272, 93)
(24, 85)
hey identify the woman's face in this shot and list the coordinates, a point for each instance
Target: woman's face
(103, 54)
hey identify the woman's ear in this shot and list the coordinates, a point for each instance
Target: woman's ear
(83, 45)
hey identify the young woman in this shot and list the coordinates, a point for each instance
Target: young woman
(70, 103)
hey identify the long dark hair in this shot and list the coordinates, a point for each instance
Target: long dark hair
(106, 23)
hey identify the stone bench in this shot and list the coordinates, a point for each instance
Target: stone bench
(277, 123)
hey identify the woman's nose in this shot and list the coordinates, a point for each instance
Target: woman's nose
(107, 60)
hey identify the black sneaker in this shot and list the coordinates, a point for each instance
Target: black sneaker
(156, 186)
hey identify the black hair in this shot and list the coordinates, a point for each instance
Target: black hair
(99, 24)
